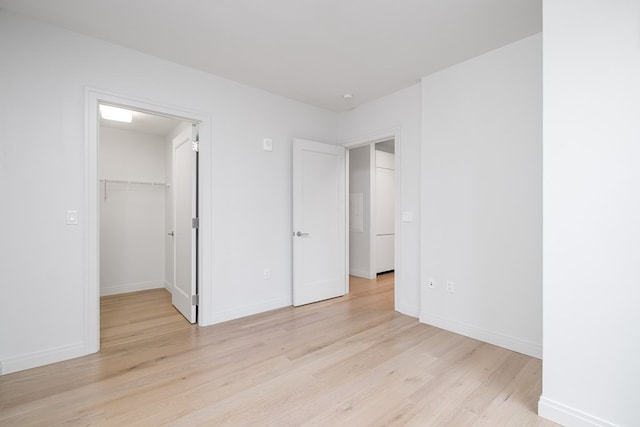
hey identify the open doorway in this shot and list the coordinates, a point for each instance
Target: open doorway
(372, 207)
(384, 201)
(91, 222)
(146, 184)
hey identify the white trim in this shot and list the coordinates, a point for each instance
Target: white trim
(347, 216)
(478, 333)
(131, 287)
(373, 137)
(168, 286)
(90, 227)
(42, 357)
(568, 416)
(362, 273)
(248, 310)
(409, 310)
(370, 139)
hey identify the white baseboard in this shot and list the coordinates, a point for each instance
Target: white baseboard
(362, 273)
(42, 357)
(169, 287)
(248, 310)
(130, 287)
(568, 416)
(409, 310)
(491, 337)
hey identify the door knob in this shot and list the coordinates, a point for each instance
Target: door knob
(171, 233)
(301, 234)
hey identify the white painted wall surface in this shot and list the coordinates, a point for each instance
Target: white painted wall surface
(132, 216)
(360, 241)
(45, 71)
(482, 197)
(399, 112)
(591, 212)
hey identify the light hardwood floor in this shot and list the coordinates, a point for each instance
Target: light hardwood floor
(349, 361)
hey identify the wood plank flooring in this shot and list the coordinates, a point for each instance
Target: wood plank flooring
(349, 361)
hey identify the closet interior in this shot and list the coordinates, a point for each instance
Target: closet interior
(136, 212)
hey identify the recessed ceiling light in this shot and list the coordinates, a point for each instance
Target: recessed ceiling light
(347, 96)
(117, 114)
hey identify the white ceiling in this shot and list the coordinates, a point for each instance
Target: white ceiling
(310, 50)
(145, 123)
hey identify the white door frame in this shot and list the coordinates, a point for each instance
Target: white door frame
(91, 222)
(374, 138)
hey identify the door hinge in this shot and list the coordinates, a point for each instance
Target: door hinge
(195, 137)
(195, 299)
(195, 223)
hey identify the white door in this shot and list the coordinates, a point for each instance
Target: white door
(185, 175)
(319, 222)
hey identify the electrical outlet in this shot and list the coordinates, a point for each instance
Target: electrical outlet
(450, 287)
(431, 283)
(267, 273)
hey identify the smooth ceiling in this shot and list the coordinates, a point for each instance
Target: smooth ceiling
(146, 123)
(313, 51)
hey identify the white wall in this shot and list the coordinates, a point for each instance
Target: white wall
(132, 216)
(399, 114)
(360, 241)
(591, 212)
(45, 71)
(482, 197)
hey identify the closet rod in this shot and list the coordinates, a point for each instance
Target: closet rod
(120, 181)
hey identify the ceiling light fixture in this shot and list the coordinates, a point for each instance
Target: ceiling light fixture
(348, 97)
(117, 114)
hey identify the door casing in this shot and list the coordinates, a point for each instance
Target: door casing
(384, 135)
(91, 219)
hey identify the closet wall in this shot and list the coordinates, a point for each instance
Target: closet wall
(132, 215)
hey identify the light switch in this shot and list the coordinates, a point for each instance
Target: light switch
(267, 144)
(72, 217)
(407, 216)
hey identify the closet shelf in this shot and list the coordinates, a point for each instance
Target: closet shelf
(106, 181)
(121, 181)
